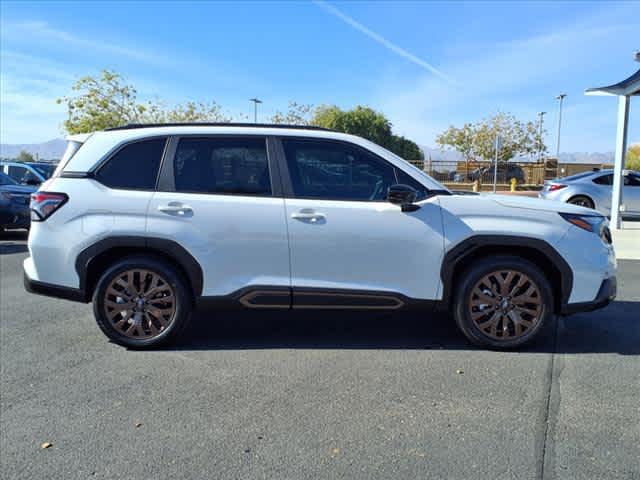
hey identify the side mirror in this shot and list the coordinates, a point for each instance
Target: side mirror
(33, 181)
(403, 195)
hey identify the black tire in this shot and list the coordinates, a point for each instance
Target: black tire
(179, 288)
(463, 306)
(582, 201)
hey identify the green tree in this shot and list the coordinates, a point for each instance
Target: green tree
(367, 123)
(108, 101)
(362, 121)
(477, 140)
(296, 114)
(632, 161)
(25, 156)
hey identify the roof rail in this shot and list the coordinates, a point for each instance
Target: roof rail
(215, 124)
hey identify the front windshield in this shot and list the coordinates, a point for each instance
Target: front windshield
(6, 180)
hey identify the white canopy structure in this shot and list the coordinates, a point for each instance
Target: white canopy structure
(624, 90)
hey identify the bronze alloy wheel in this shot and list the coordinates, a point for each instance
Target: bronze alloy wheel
(140, 304)
(505, 305)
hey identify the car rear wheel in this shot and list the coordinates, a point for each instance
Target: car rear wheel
(581, 201)
(502, 302)
(142, 302)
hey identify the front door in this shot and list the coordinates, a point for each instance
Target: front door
(343, 234)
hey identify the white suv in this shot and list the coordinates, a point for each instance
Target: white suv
(149, 221)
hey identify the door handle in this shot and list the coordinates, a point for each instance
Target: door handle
(175, 208)
(307, 214)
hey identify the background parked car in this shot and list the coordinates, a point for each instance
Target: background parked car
(506, 172)
(14, 203)
(27, 173)
(594, 189)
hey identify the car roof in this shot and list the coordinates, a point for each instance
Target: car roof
(100, 144)
(17, 164)
(132, 126)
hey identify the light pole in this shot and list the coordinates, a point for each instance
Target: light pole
(495, 165)
(541, 115)
(560, 98)
(255, 101)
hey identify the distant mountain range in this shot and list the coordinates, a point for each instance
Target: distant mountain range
(53, 149)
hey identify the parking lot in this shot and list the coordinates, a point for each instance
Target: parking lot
(315, 395)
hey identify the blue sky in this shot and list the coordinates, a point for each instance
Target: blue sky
(426, 65)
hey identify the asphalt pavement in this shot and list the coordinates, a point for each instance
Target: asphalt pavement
(324, 395)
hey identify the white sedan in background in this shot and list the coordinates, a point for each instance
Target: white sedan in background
(594, 190)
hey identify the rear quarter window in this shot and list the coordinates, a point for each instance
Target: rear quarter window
(134, 167)
(604, 179)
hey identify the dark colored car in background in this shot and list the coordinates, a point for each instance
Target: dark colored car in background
(14, 203)
(28, 173)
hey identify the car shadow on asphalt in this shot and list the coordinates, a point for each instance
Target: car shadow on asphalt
(615, 329)
(13, 241)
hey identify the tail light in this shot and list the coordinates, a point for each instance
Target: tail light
(556, 186)
(44, 204)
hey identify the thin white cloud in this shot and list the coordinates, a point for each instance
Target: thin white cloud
(43, 31)
(389, 45)
(522, 77)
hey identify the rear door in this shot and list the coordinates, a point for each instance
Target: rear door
(219, 197)
(348, 244)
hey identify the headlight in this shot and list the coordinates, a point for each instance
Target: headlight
(591, 223)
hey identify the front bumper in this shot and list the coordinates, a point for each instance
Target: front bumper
(606, 294)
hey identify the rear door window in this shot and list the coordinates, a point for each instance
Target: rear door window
(19, 174)
(133, 167)
(230, 166)
(632, 180)
(604, 179)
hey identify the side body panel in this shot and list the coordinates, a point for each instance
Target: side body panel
(92, 213)
(237, 240)
(589, 258)
(366, 246)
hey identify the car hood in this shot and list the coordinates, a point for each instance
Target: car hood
(24, 189)
(516, 201)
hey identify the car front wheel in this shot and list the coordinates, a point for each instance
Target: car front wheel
(142, 302)
(502, 302)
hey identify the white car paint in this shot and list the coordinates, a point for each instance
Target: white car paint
(243, 241)
(366, 246)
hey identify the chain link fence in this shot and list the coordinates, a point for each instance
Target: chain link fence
(462, 175)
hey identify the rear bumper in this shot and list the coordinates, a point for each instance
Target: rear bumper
(57, 291)
(606, 294)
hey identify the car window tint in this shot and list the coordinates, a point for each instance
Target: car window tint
(336, 171)
(135, 166)
(6, 180)
(18, 173)
(406, 179)
(632, 180)
(604, 179)
(226, 166)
